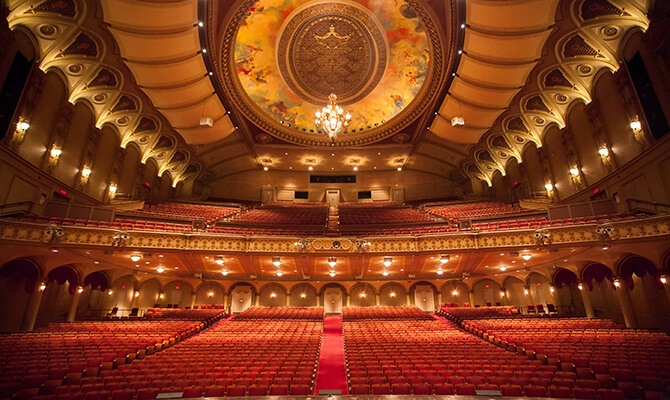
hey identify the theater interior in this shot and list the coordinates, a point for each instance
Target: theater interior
(233, 198)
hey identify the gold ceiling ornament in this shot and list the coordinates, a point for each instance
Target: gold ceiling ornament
(331, 119)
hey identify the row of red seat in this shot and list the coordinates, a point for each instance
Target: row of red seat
(283, 313)
(380, 215)
(64, 354)
(382, 313)
(635, 361)
(183, 210)
(485, 208)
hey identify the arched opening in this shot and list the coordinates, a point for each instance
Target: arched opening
(121, 295)
(455, 293)
(92, 299)
(362, 295)
(304, 295)
(178, 294)
(103, 162)
(242, 295)
(514, 180)
(599, 279)
(61, 283)
(514, 290)
(334, 297)
(499, 187)
(392, 294)
(643, 279)
(566, 293)
(272, 295)
(487, 293)
(128, 173)
(69, 167)
(424, 295)
(18, 280)
(209, 293)
(150, 292)
(539, 288)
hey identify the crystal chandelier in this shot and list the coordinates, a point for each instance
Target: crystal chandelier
(332, 119)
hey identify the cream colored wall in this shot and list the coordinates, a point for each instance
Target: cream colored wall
(247, 185)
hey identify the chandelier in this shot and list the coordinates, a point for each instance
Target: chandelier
(332, 119)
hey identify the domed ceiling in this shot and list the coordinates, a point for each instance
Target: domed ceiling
(288, 56)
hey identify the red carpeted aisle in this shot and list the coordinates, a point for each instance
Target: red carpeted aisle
(332, 374)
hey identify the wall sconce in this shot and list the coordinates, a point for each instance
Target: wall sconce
(22, 126)
(161, 295)
(55, 153)
(552, 289)
(636, 127)
(43, 286)
(392, 294)
(110, 292)
(549, 187)
(136, 294)
(210, 294)
(112, 190)
(85, 172)
(303, 295)
(663, 279)
(363, 294)
(526, 292)
(273, 295)
(617, 283)
(574, 171)
(80, 289)
(455, 293)
(502, 293)
(580, 286)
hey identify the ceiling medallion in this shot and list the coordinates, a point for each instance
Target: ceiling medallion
(279, 64)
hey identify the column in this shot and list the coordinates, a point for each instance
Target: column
(348, 300)
(439, 301)
(225, 301)
(408, 299)
(32, 308)
(71, 315)
(193, 296)
(471, 296)
(136, 299)
(626, 305)
(288, 300)
(666, 287)
(529, 296)
(378, 299)
(257, 300)
(586, 299)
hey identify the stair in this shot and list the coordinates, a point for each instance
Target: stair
(333, 226)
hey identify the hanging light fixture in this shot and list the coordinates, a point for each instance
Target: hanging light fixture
(331, 119)
(276, 261)
(444, 258)
(388, 261)
(332, 261)
(135, 257)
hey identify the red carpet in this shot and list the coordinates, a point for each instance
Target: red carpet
(332, 374)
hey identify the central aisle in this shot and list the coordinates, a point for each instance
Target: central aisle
(332, 374)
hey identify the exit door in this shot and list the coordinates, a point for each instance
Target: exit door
(332, 196)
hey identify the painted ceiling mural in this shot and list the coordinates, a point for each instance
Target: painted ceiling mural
(290, 55)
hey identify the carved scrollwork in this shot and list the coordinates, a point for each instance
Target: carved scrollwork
(543, 237)
(607, 231)
(120, 239)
